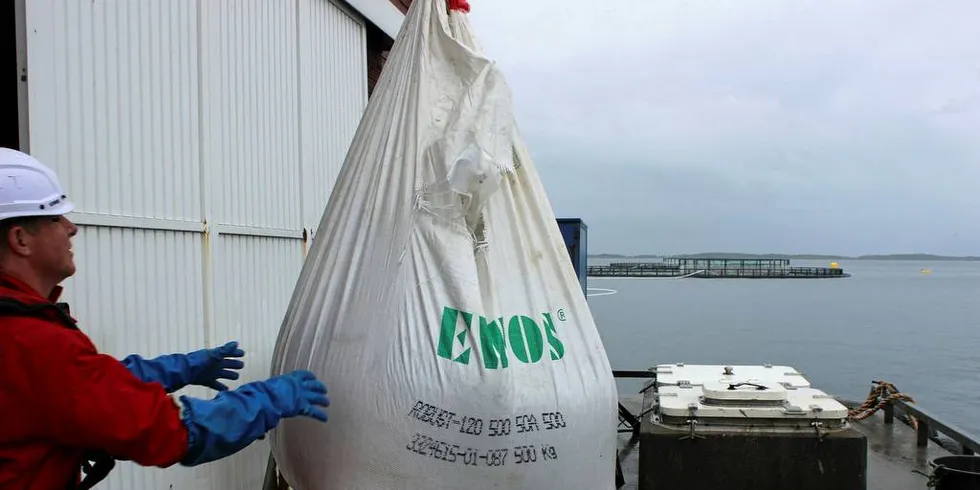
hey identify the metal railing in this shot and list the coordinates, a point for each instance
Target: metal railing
(617, 373)
(628, 420)
(928, 426)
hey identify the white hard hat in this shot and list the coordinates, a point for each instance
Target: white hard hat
(29, 188)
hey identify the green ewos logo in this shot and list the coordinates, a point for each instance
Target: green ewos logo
(520, 336)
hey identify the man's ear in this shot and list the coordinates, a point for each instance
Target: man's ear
(18, 240)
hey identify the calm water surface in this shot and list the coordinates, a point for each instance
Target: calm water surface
(888, 321)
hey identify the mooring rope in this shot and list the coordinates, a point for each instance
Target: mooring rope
(882, 393)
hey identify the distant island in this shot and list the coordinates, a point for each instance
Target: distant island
(723, 255)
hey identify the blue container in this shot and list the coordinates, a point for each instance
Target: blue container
(576, 235)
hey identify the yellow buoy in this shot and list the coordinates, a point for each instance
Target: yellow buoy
(834, 265)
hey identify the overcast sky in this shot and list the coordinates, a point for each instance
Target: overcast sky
(753, 125)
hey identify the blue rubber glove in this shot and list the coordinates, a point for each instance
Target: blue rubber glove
(232, 420)
(202, 367)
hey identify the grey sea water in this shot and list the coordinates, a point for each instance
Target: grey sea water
(888, 321)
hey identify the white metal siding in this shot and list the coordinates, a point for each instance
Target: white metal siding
(250, 108)
(333, 61)
(200, 139)
(114, 103)
(254, 280)
(162, 313)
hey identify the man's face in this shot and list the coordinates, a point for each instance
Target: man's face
(45, 243)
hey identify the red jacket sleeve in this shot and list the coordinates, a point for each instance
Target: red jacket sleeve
(90, 400)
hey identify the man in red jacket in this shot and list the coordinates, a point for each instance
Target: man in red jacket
(64, 404)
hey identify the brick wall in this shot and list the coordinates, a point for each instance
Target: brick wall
(378, 46)
(402, 4)
(376, 61)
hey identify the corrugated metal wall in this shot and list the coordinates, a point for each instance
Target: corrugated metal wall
(200, 138)
(328, 122)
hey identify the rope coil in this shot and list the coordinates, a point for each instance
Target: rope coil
(881, 394)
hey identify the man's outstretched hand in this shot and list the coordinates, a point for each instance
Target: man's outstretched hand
(208, 366)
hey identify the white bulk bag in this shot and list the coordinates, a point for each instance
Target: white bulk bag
(438, 302)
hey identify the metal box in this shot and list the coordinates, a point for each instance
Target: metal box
(576, 235)
(759, 427)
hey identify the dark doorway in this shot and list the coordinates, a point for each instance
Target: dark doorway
(9, 119)
(378, 45)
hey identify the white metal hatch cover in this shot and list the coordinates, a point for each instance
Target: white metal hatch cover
(672, 374)
(748, 393)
